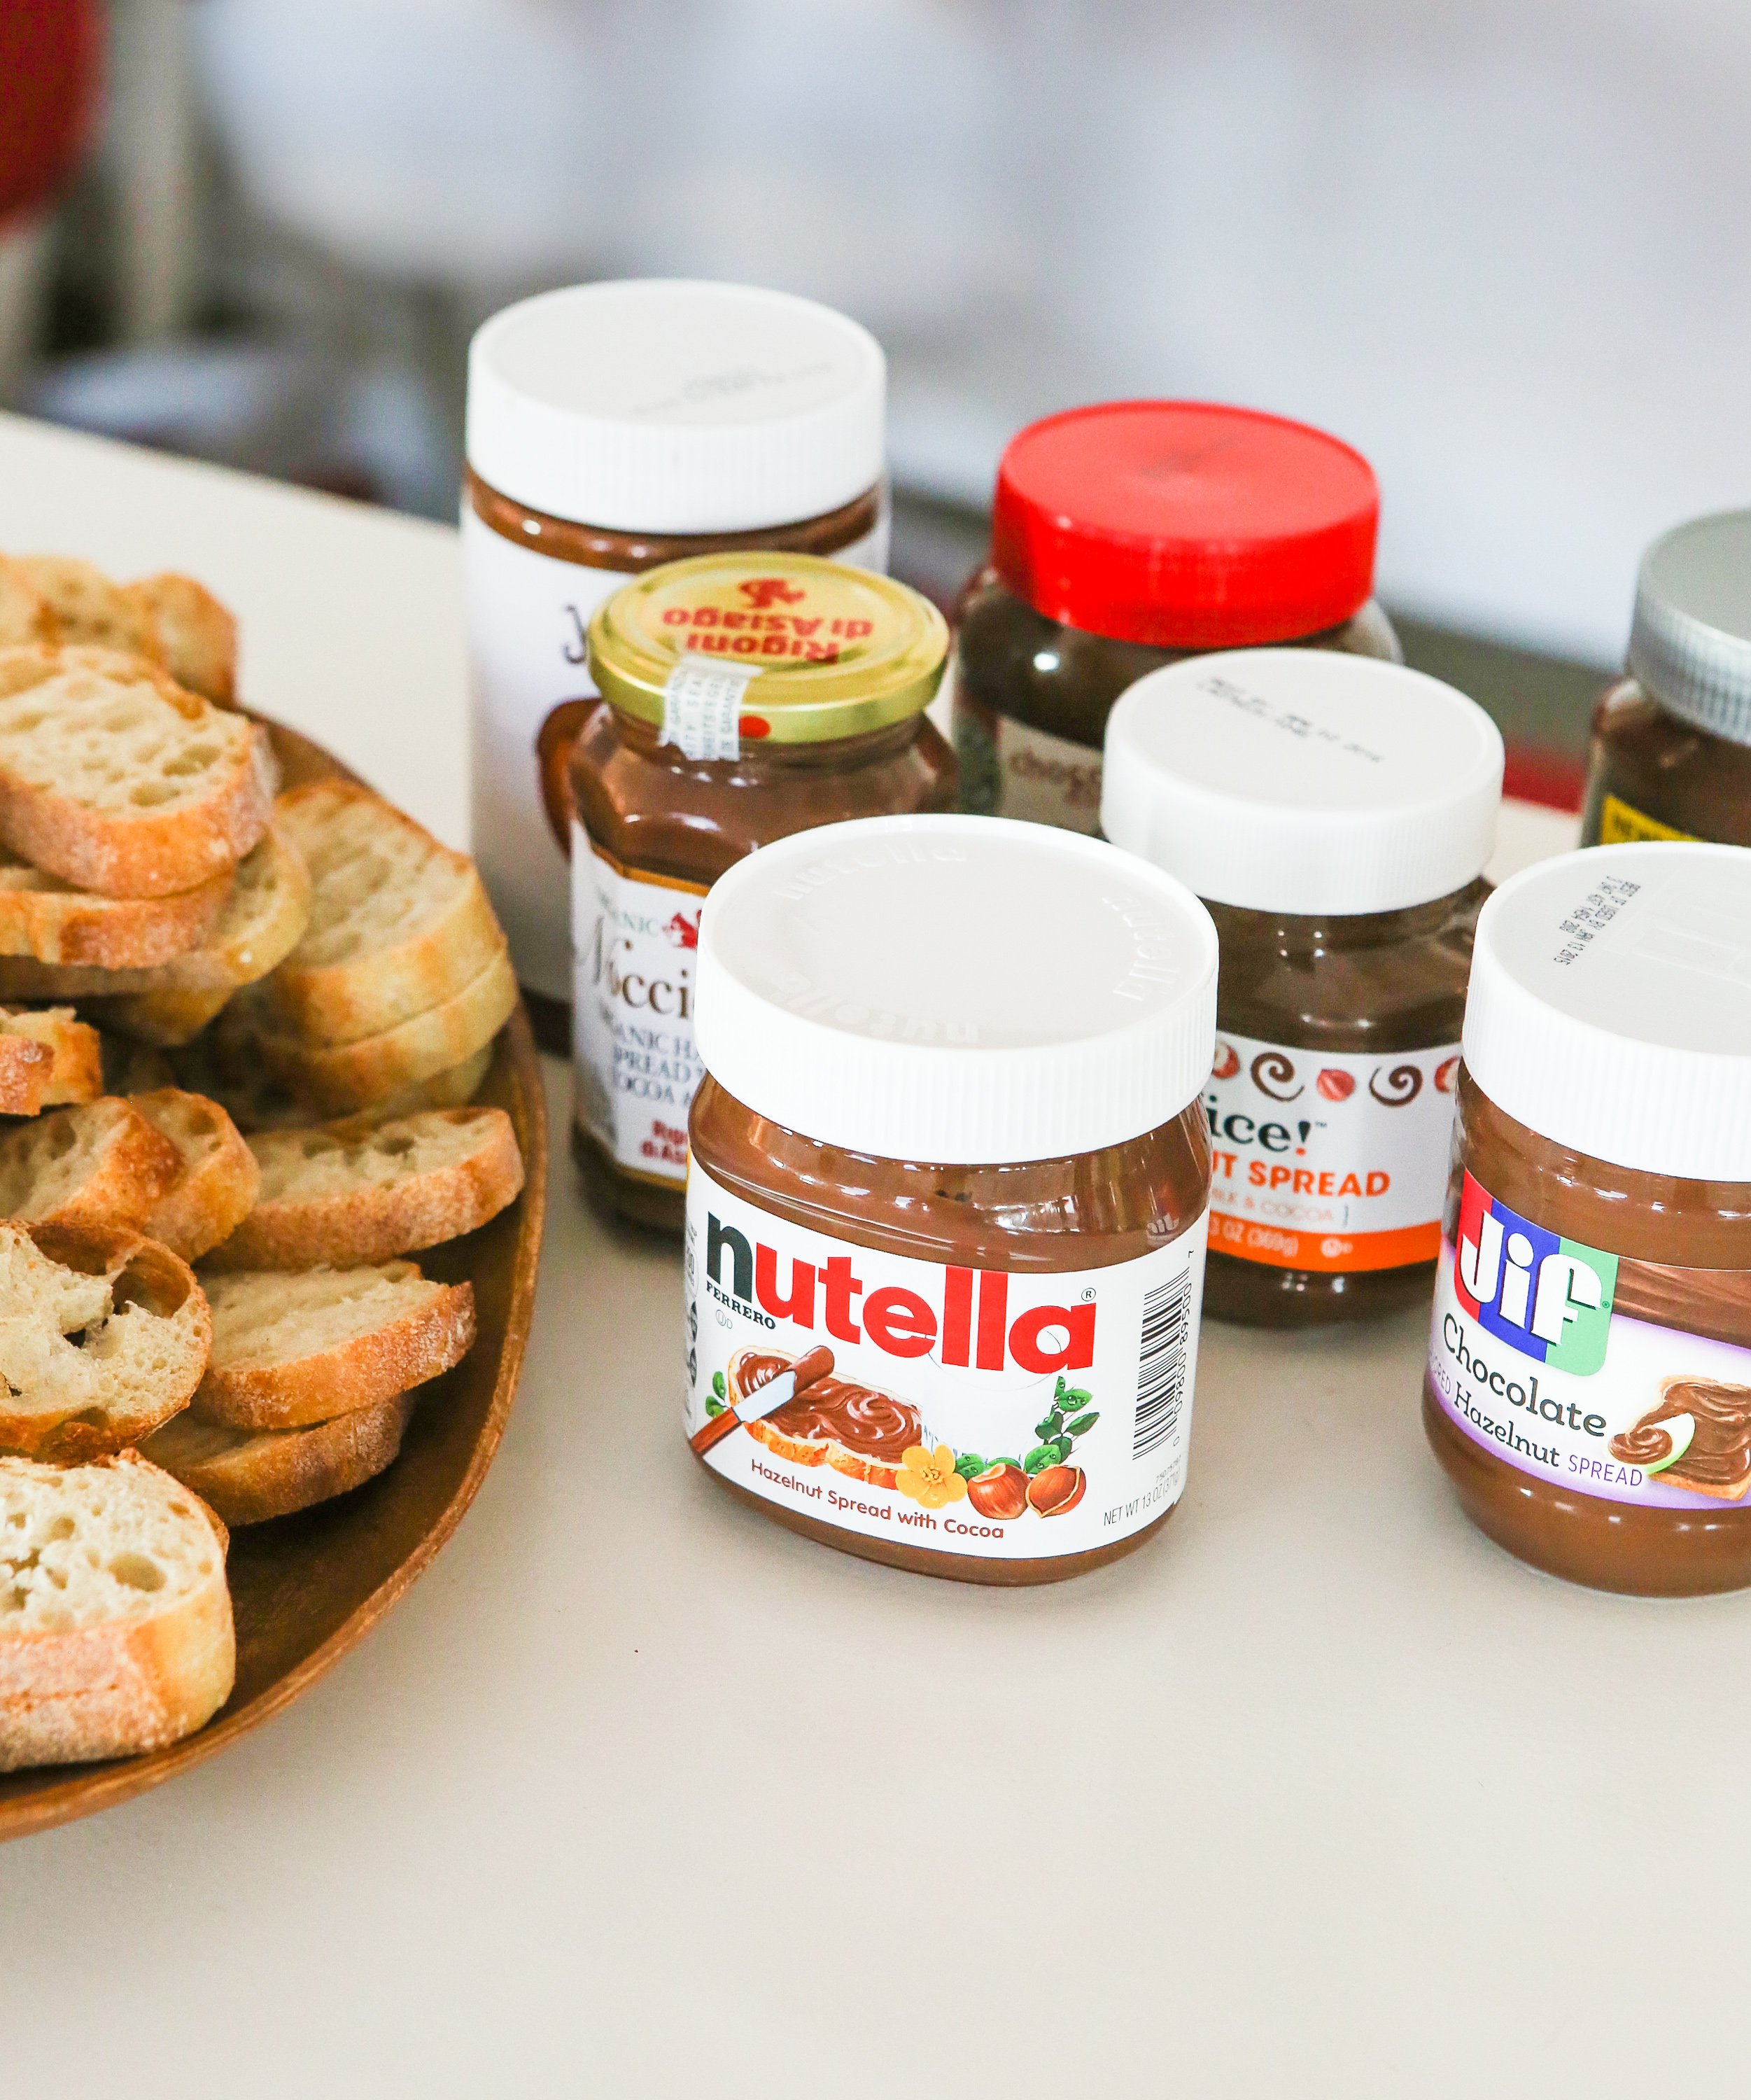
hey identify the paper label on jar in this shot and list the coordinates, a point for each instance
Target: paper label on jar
(1326, 1160)
(1008, 1415)
(1621, 823)
(1008, 769)
(1538, 1353)
(631, 1016)
(702, 708)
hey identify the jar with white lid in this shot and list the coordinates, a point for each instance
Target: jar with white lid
(613, 427)
(1336, 815)
(947, 1191)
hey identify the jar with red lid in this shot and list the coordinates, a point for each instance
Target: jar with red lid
(1125, 536)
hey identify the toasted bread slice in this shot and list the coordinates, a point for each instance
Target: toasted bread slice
(116, 1628)
(46, 1058)
(89, 610)
(47, 923)
(100, 1164)
(348, 1192)
(25, 614)
(216, 1188)
(398, 924)
(250, 1475)
(117, 780)
(288, 1350)
(255, 1101)
(197, 637)
(103, 1334)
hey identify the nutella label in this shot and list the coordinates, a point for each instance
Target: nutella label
(1013, 1416)
(1621, 823)
(1008, 769)
(1327, 1162)
(633, 1010)
(1582, 1369)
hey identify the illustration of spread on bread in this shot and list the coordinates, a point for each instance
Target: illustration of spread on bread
(240, 1032)
(1698, 1437)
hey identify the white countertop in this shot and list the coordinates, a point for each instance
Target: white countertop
(1317, 1794)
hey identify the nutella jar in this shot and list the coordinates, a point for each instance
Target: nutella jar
(1335, 816)
(1125, 536)
(947, 1203)
(1589, 1390)
(746, 696)
(612, 428)
(1672, 742)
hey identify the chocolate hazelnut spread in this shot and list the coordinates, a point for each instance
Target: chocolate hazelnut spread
(613, 428)
(747, 697)
(1672, 742)
(1333, 815)
(1589, 1392)
(1125, 537)
(1014, 1332)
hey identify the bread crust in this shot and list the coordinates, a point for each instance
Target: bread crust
(42, 921)
(122, 1167)
(253, 1477)
(197, 637)
(47, 1059)
(216, 1184)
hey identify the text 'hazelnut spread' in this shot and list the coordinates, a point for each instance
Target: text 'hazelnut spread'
(1589, 1390)
(744, 697)
(946, 1201)
(1335, 815)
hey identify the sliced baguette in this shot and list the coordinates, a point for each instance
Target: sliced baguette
(249, 1477)
(216, 1187)
(288, 1350)
(46, 1058)
(89, 610)
(25, 615)
(46, 923)
(347, 1193)
(103, 1335)
(197, 638)
(116, 1627)
(398, 924)
(117, 780)
(255, 1101)
(99, 1165)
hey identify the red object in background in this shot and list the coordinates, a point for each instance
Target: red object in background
(50, 69)
(1553, 778)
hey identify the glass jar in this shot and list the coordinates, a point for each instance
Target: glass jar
(1672, 742)
(982, 1369)
(1335, 815)
(745, 697)
(1124, 537)
(1589, 1388)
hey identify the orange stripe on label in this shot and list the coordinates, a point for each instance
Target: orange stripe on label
(1329, 1253)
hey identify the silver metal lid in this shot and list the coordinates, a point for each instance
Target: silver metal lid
(1691, 642)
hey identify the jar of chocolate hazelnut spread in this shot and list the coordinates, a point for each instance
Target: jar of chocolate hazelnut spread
(1335, 815)
(946, 1202)
(1672, 741)
(1589, 1391)
(1127, 536)
(746, 696)
(611, 428)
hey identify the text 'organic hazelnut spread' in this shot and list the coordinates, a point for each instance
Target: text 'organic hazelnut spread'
(1671, 743)
(1589, 1390)
(744, 697)
(612, 428)
(1335, 815)
(946, 1204)
(1127, 536)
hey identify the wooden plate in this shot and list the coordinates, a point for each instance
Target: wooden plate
(306, 1588)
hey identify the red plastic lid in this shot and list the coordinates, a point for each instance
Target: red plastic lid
(1184, 524)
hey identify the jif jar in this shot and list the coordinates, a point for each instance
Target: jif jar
(744, 697)
(1126, 537)
(1335, 815)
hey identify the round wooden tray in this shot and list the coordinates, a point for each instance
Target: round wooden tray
(307, 1588)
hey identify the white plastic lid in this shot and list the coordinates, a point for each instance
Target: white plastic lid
(1302, 780)
(1690, 644)
(658, 405)
(964, 990)
(1610, 1007)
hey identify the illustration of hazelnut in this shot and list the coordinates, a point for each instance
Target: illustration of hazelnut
(1228, 1061)
(999, 1492)
(1444, 1075)
(1055, 1490)
(1335, 1085)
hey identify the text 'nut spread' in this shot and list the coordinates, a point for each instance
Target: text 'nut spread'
(1335, 815)
(1589, 1389)
(946, 1204)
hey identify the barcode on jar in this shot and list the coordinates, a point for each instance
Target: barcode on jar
(1161, 1363)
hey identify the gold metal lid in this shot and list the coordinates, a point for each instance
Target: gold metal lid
(832, 652)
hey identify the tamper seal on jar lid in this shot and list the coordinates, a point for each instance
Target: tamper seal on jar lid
(1590, 1369)
(1336, 815)
(950, 1137)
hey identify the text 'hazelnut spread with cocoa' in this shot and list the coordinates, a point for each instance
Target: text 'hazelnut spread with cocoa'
(946, 1198)
(1589, 1391)
(1335, 815)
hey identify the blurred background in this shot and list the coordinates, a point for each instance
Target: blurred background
(1500, 247)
